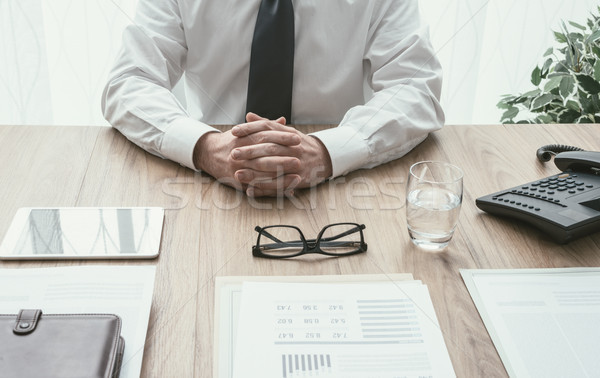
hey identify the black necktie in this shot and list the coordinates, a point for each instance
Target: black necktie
(272, 61)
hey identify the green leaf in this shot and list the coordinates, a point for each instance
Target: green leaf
(588, 84)
(560, 37)
(561, 68)
(552, 83)
(595, 103)
(596, 51)
(502, 105)
(546, 68)
(544, 118)
(568, 116)
(584, 119)
(586, 103)
(573, 105)
(597, 70)
(536, 77)
(510, 113)
(542, 101)
(574, 37)
(553, 116)
(593, 37)
(567, 84)
(573, 23)
(530, 94)
(549, 51)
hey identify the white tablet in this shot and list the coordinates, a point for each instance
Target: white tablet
(83, 233)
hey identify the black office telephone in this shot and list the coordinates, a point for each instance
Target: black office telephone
(565, 206)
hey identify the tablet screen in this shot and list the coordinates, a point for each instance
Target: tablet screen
(84, 232)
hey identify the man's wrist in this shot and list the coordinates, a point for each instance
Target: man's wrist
(325, 160)
(202, 151)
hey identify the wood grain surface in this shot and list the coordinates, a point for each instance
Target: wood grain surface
(209, 227)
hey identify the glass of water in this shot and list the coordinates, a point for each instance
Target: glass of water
(433, 198)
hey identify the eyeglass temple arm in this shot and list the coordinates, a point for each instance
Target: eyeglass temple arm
(267, 234)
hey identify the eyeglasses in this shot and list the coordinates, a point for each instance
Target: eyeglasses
(338, 239)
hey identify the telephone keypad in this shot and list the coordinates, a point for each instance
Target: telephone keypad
(544, 189)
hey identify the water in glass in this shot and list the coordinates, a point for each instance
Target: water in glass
(432, 214)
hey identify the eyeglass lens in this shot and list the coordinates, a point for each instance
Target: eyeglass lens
(340, 239)
(280, 241)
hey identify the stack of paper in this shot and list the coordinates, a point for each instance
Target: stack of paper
(543, 322)
(364, 327)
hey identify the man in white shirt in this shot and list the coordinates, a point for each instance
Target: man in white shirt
(339, 46)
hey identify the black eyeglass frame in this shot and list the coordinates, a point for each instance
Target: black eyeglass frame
(308, 245)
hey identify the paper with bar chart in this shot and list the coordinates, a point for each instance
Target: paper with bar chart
(372, 330)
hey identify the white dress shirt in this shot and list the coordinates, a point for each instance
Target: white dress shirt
(340, 46)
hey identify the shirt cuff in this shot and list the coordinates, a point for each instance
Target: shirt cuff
(180, 139)
(347, 149)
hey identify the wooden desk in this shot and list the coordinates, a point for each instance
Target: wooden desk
(209, 228)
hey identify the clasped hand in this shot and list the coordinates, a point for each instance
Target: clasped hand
(263, 157)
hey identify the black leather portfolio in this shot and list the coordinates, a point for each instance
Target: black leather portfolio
(33, 344)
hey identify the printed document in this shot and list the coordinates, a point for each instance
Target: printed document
(384, 330)
(122, 290)
(228, 294)
(543, 322)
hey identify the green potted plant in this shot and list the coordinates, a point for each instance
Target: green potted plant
(567, 84)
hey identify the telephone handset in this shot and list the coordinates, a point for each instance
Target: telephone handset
(565, 206)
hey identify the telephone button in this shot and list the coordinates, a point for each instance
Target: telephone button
(537, 209)
(553, 186)
(531, 207)
(571, 191)
(580, 188)
(561, 189)
(563, 176)
(542, 190)
(518, 203)
(589, 186)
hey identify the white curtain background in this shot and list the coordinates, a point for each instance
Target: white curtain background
(55, 55)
